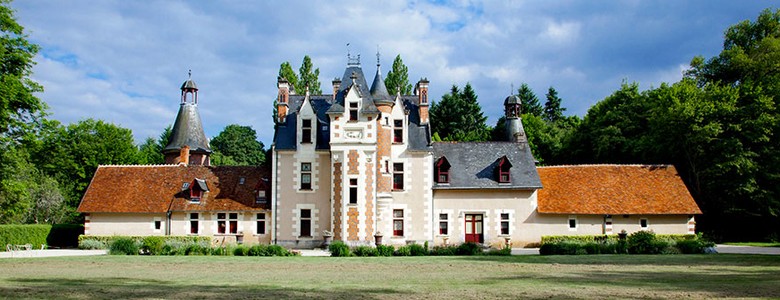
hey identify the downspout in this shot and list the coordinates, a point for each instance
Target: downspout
(274, 191)
(168, 217)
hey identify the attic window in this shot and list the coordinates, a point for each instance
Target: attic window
(503, 170)
(353, 111)
(442, 170)
(197, 188)
(306, 131)
(241, 180)
(398, 131)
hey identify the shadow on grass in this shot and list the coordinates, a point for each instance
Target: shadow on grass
(124, 288)
(632, 260)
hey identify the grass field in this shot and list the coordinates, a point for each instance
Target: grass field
(598, 276)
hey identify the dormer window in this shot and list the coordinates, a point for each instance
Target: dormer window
(306, 131)
(353, 111)
(503, 170)
(398, 131)
(442, 170)
(197, 188)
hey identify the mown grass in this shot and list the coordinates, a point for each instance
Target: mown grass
(584, 277)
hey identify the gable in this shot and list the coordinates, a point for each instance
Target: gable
(614, 190)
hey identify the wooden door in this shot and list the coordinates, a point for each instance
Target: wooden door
(474, 228)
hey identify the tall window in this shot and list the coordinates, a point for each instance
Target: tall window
(306, 131)
(442, 170)
(443, 218)
(398, 176)
(398, 222)
(503, 170)
(353, 190)
(260, 223)
(353, 111)
(505, 224)
(193, 223)
(305, 222)
(306, 176)
(227, 223)
(398, 131)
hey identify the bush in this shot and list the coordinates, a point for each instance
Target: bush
(258, 250)
(592, 248)
(506, 251)
(107, 239)
(693, 246)
(123, 246)
(152, 245)
(89, 244)
(403, 251)
(642, 242)
(241, 250)
(276, 250)
(385, 250)
(418, 250)
(33, 234)
(172, 247)
(365, 251)
(338, 248)
(469, 249)
(444, 250)
(196, 248)
(220, 251)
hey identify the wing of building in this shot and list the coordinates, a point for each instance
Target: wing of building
(358, 165)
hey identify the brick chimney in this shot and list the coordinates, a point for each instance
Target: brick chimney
(184, 155)
(421, 90)
(283, 100)
(336, 86)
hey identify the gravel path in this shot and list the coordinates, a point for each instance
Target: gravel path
(747, 250)
(51, 253)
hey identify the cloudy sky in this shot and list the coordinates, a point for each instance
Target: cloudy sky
(124, 61)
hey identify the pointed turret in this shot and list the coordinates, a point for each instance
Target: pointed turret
(378, 89)
(187, 132)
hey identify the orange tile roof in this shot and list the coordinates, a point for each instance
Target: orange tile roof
(614, 190)
(158, 188)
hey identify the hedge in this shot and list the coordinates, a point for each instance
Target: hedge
(612, 237)
(57, 235)
(339, 248)
(640, 242)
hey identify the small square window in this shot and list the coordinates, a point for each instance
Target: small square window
(157, 225)
(643, 223)
(572, 223)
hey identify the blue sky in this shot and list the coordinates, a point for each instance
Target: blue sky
(124, 61)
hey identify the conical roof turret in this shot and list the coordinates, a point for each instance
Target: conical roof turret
(378, 89)
(188, 128)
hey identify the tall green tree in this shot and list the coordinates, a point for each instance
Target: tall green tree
(286, 71)
(150, 151)
(530, 103)
(458, 116)
(309, 78)
(19, 108)
(237, 145)
(553, 111)
(398, 78)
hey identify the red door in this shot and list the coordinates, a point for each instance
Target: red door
(474, 228)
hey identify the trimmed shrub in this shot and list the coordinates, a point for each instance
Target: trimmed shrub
(469, 249)
(123, 246)
(444, 250)
(338, 248)
(276, 250)
(241, 250)
(418, 250)
(385, 250)
(365, 251)
(693, 246)
(591, 248)
(89, 244)
(173, 247)
(33, 234)
(152, 245)
(506, 251)
(220, 251)
(642, 242)
(197, 249)
(107, 239)
(403, 251)
(258, 250)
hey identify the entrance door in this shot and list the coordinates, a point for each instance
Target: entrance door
(474, 228)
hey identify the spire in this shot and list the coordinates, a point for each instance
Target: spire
(187, 129)
(514, 125)
(378, 89)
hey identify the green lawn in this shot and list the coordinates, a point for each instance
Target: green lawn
(597, 277)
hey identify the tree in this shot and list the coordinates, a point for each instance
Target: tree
(309, 78)
(237, 145)
(459, 117)
(552, 108)
(150, 152)
(530, 103)
(398, 78)
(286, 72)
(19, 108)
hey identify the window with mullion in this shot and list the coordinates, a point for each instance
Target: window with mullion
(398, 176)
(306, 131)
(505, 224)
(306, 176)
(398, 222)
(443, 224)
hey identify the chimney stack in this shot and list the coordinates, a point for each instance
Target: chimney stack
(284, 97)
(422, 96)
(336, 86)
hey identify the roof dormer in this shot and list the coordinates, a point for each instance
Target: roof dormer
(196, 189)
(503, 174)
(442, 171)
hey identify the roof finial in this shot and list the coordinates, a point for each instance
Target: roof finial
(377, 55)
(190, 73)
(512, 91)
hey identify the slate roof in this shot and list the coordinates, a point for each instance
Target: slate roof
(285, 136)
(614, 190)
(158, 189)
(473, 165)
(188, 130)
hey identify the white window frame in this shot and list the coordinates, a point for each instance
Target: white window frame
(647, 223)
(576, 223)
